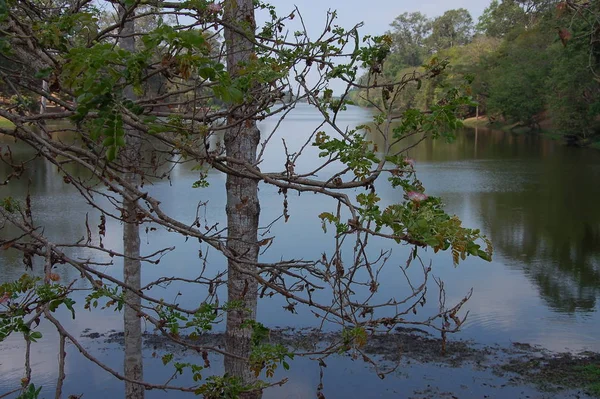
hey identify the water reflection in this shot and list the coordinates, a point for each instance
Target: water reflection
(536, 199)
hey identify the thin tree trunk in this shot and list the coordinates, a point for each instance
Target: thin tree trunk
(43, 99)
(131, 321)
(243, 208)
(133, 365)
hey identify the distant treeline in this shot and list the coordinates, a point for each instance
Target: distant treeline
(526, 60)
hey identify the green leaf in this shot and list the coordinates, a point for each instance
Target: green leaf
(69, 304)
(166, 359)
(484, 255)
(34, 336)
(111, 153)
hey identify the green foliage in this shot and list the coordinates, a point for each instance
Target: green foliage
(572, 92)
(354, 151)
(409, 32)
(24, 297)
(453, 28)
(10, 205)
(529, 57)
(545, 63)
(327, 217)
(97, 76)
(264, 355)
(221, 387)
(517, 80)
(500, 17)
(203, 319)
(23, 104)
(171, 319)
(180, 367)
(420, 220)
(590, 377)
(30, 392)
(353, 338)
(573, 98)
(3, 10)
(374, 54)
(114, 295)
(440, 122)
(59, 31)
(423, 221)
(200, 322)
(202, 182)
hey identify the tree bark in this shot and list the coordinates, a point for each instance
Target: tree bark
(243, 208)
(43, 100)
(130, 155)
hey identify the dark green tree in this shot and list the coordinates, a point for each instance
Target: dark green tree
(517, 78)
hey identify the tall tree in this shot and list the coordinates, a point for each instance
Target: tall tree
(243, 209)
(132, 266)
(581, 22)
(409, 31)
(516, 86)
(573, 84)
(453, 28)
(500, 17)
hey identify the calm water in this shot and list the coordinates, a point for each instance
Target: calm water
(535, 199)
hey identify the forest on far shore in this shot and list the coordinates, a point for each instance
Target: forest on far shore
(528, 62)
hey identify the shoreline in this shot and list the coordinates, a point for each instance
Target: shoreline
(483, 122)
(490, 367)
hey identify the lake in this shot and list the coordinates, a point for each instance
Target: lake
(534, 198)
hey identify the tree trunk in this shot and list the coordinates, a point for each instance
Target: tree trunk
(243, 208)
(133, 365)
(43, 99)
(131, 321)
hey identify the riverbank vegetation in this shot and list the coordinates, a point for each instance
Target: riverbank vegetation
(531, 64)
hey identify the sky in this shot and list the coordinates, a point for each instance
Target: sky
(376, 14)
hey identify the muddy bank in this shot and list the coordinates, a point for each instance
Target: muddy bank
(494, 369)
(402, 344)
